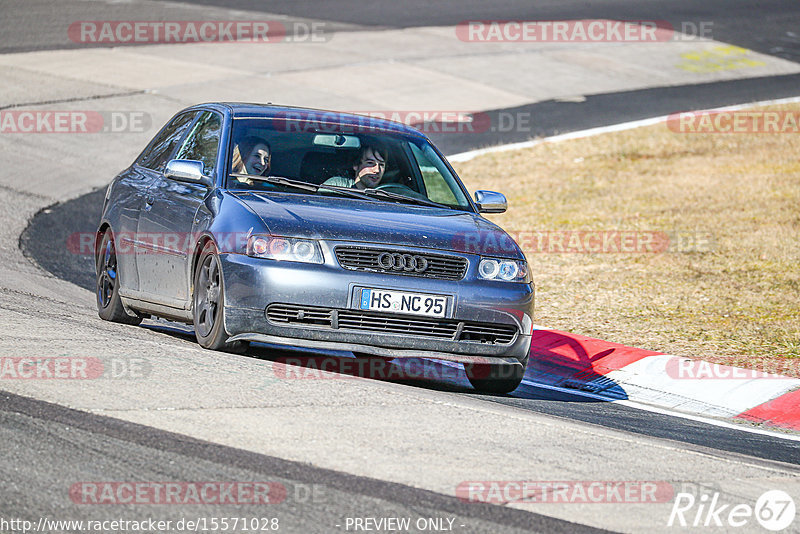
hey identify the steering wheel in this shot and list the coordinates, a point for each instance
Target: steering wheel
(398, 188)
(401, 189)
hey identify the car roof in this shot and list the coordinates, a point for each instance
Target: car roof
(369, 121)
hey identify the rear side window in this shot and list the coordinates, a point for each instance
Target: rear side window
(202, 144)
(162, 147)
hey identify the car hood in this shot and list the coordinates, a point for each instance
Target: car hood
(390, 223)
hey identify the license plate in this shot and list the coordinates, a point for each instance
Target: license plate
(402, 302)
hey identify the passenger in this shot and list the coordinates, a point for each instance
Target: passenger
(257, 161)
(369, 168)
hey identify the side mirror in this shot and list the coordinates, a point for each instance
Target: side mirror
(490, 202)
(187, 170)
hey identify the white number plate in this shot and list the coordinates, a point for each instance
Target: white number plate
(401, 302)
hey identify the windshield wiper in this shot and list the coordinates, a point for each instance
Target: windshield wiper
(345, 191)
(278, 180)
(297, 184)
(368, 194)
(380, 193)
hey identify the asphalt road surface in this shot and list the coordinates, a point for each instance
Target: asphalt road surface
(53, 443)
(81, 214)
(767, 26)
(46, 448)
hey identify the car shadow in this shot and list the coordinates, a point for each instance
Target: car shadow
(558, 360)
(562, 360)
(326, 365)
(297, 363)
(60, 238)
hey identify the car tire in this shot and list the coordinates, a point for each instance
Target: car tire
(487, 378)
(109, 303)
(208, 304)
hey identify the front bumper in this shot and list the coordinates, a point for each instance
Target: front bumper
(253, 284)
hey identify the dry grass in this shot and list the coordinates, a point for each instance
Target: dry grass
(736, 303)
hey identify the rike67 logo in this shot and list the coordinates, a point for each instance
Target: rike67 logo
(774, 510)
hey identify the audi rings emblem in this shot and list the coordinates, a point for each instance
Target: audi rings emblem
(394, 261)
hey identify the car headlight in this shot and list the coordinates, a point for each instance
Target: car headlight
(284, 249)
(504, 270)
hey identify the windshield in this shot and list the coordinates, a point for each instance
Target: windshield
(269, 154)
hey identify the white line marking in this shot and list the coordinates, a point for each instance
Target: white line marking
(664, 411)
(470, 154)
(654, 409)
(718, 393)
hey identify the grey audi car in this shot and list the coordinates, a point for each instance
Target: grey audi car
(310, 228)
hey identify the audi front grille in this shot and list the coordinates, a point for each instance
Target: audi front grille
(421, 264)
(357, 320)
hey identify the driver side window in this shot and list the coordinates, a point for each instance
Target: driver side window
(202, 143)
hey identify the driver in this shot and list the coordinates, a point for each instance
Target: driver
(251, 155)
(369, 168)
